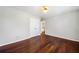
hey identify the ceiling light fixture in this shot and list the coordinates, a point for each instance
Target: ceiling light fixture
(44, 9)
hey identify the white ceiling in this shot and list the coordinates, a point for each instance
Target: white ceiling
(52, 10)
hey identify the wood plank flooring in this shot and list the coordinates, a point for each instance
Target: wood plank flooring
(36, 45)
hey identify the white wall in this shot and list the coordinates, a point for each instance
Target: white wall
(34, 27)
(65, 25)
(14, 25)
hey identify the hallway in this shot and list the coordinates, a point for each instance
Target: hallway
(28, 29)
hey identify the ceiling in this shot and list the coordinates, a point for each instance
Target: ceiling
(52, 10)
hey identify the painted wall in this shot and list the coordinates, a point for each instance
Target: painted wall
(15, 25)
(34, 27)
(65, 25)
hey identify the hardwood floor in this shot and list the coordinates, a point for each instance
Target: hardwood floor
(38, 45)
